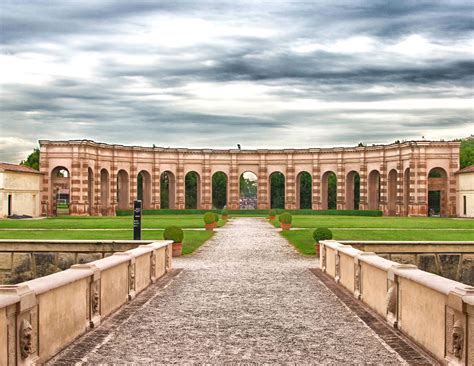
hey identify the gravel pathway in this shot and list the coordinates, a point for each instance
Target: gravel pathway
(246, 296)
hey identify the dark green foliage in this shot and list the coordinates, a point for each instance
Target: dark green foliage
(322, 233)
(209, 218)
(191, 190)
(271, 213)
(140, 187)
(467, 152)
(356, 191)
(248, 188)
(285, 218)
(173, 233)
(219, 190)
(256, 212)
(32, 160)
(332, 191)
(277, 190)
(305, 190)
(216, 217)
(224, 212)
(164, 190)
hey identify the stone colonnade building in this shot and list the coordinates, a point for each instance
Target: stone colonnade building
(398, 179)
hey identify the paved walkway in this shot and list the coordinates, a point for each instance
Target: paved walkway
(246, 296)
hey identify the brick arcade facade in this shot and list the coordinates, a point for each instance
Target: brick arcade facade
(395, 178)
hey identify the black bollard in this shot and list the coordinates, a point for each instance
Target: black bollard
(137, 220)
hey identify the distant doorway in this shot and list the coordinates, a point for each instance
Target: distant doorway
(9, 205)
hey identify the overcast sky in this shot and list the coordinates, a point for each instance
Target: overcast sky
(208, 74)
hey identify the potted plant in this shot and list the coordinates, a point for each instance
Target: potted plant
(322, 233)
(225, 214)
(209, 220)
(271, 214)
(285, 220)
(216, 219)
(176, 234)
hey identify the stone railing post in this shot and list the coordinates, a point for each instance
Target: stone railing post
(93, 294)
(22, 326)
(459, 348)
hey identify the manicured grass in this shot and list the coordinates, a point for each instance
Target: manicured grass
(379, 222)
(304, 242)
(86, 222)
(193, 239)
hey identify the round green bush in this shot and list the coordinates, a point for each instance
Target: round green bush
(216, 217)
(224, 212)
(209, 218)
(173, 233)
(322, 233)
(271, 213)
(285, 218)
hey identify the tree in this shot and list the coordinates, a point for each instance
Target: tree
(467, 152)
(32, 160)
(219, 190)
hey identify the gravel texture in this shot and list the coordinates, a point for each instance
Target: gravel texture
(246, 296)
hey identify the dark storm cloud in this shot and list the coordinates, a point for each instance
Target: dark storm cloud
(208, 74)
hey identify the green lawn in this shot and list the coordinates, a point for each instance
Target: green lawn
(371, 228)
(192, 239)
(306, 221)
(107, 222)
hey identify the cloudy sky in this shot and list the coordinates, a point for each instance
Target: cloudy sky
(214, 74)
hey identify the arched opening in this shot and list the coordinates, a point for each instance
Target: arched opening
(219, 190)
(144, 189)
(192, 191)
(60, 190)
(392, 193)
(104, 192)
(303, 190)
(277, 190)
(329, 191)
(352, 190)
(90, 190)
(374, 190)
(248, 191)
(167, 190)
(437, 192)
(123, 190)
(406, 190)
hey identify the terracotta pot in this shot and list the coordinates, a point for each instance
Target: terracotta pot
(285, 226)
(209, 227)
(271, 217)
(177, 249)
(317, 249)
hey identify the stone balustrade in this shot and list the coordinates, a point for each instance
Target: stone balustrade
(450, 259)
(435, 312)
(39, 318)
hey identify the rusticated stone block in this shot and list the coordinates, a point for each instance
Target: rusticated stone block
(449, 264)
(404, 258)
(427, 262)
(65, 260)
(86, 258)
(5, 261)
(386, 256)
(21, 259)
(467, 270)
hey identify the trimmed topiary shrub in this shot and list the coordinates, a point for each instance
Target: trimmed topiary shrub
(271, 213)
(173, 233)
(224, 212)
(216, 217)
(209, 218)
(285, 218)
(322, 233)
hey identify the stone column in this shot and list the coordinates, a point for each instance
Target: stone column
(206, 198)
(364, 189)
(316, 203)
(156, 182)
(132, 179)
(452, 181)
(113, 185)
(234, 194)
(383, 204)
(400, 188)
(262, 184)
(46, 194)
(341, 181)
(290, 184)
(180, 204)
(75, 184)
(421, 184)
(96, 190)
